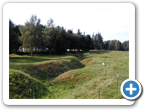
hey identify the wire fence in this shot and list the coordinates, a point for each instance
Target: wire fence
(102, 89)
(118, 75)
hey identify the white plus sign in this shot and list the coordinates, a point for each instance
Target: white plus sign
(131, 89)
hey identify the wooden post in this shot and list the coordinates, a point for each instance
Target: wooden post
(105, 68)
(117, 83)
(98, 94)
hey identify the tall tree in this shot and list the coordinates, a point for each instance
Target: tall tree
(78, 32)
(95, 42)
(117, 45)
(49, 39)
(82, 42)
(70, 40)
(112, 45)
(89, 43)
(125, 46)
(42, 46)
(49, 36)
(61, 41)
(106, 45)
(76, 39)
(13, 37)
(50, 23)
(31, 34)
(16, 29)
(100, 41)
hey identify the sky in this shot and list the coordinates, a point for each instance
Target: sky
(111, 21)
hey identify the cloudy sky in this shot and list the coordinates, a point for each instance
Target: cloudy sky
(111, 20)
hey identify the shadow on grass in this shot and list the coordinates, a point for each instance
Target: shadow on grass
(27, 59)
(49, 70)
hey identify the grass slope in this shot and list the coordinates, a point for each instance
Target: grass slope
(23, 86)
(25, 71)
(78, 75)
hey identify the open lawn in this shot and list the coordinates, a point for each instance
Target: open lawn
(69, 76)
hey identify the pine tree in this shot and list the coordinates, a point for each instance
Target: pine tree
(95, 42)
(13, 37)
(61, 42)
(89, 43)
(100, 41)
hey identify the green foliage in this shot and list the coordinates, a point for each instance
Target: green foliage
(106, 45)
(89, 43)
(60, 46)
(113, 45)
(95, 42)
(23, 86)
(125, 46)
(82, 42)
(78, 32)
(34, 37)
(13, 37)
(31, 34)
(98, 41)
(49, 38)
(50, 23)
(117, 45)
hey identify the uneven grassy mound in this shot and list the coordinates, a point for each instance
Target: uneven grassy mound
(86, 61)
(76, 62)
(53, 68)
(63, 76)
(23, 86)
(26, 79)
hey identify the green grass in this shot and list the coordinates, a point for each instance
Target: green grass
(23, 86)
(69, 76)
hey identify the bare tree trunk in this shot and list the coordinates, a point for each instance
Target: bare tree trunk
(31, 53)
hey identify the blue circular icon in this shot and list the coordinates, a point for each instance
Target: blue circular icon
(130, 89)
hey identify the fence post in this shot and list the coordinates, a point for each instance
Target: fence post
(117, 82)
(98, 94)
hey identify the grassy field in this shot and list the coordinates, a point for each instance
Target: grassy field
(69, 76)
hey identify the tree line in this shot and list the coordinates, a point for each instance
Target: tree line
(35, 37)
